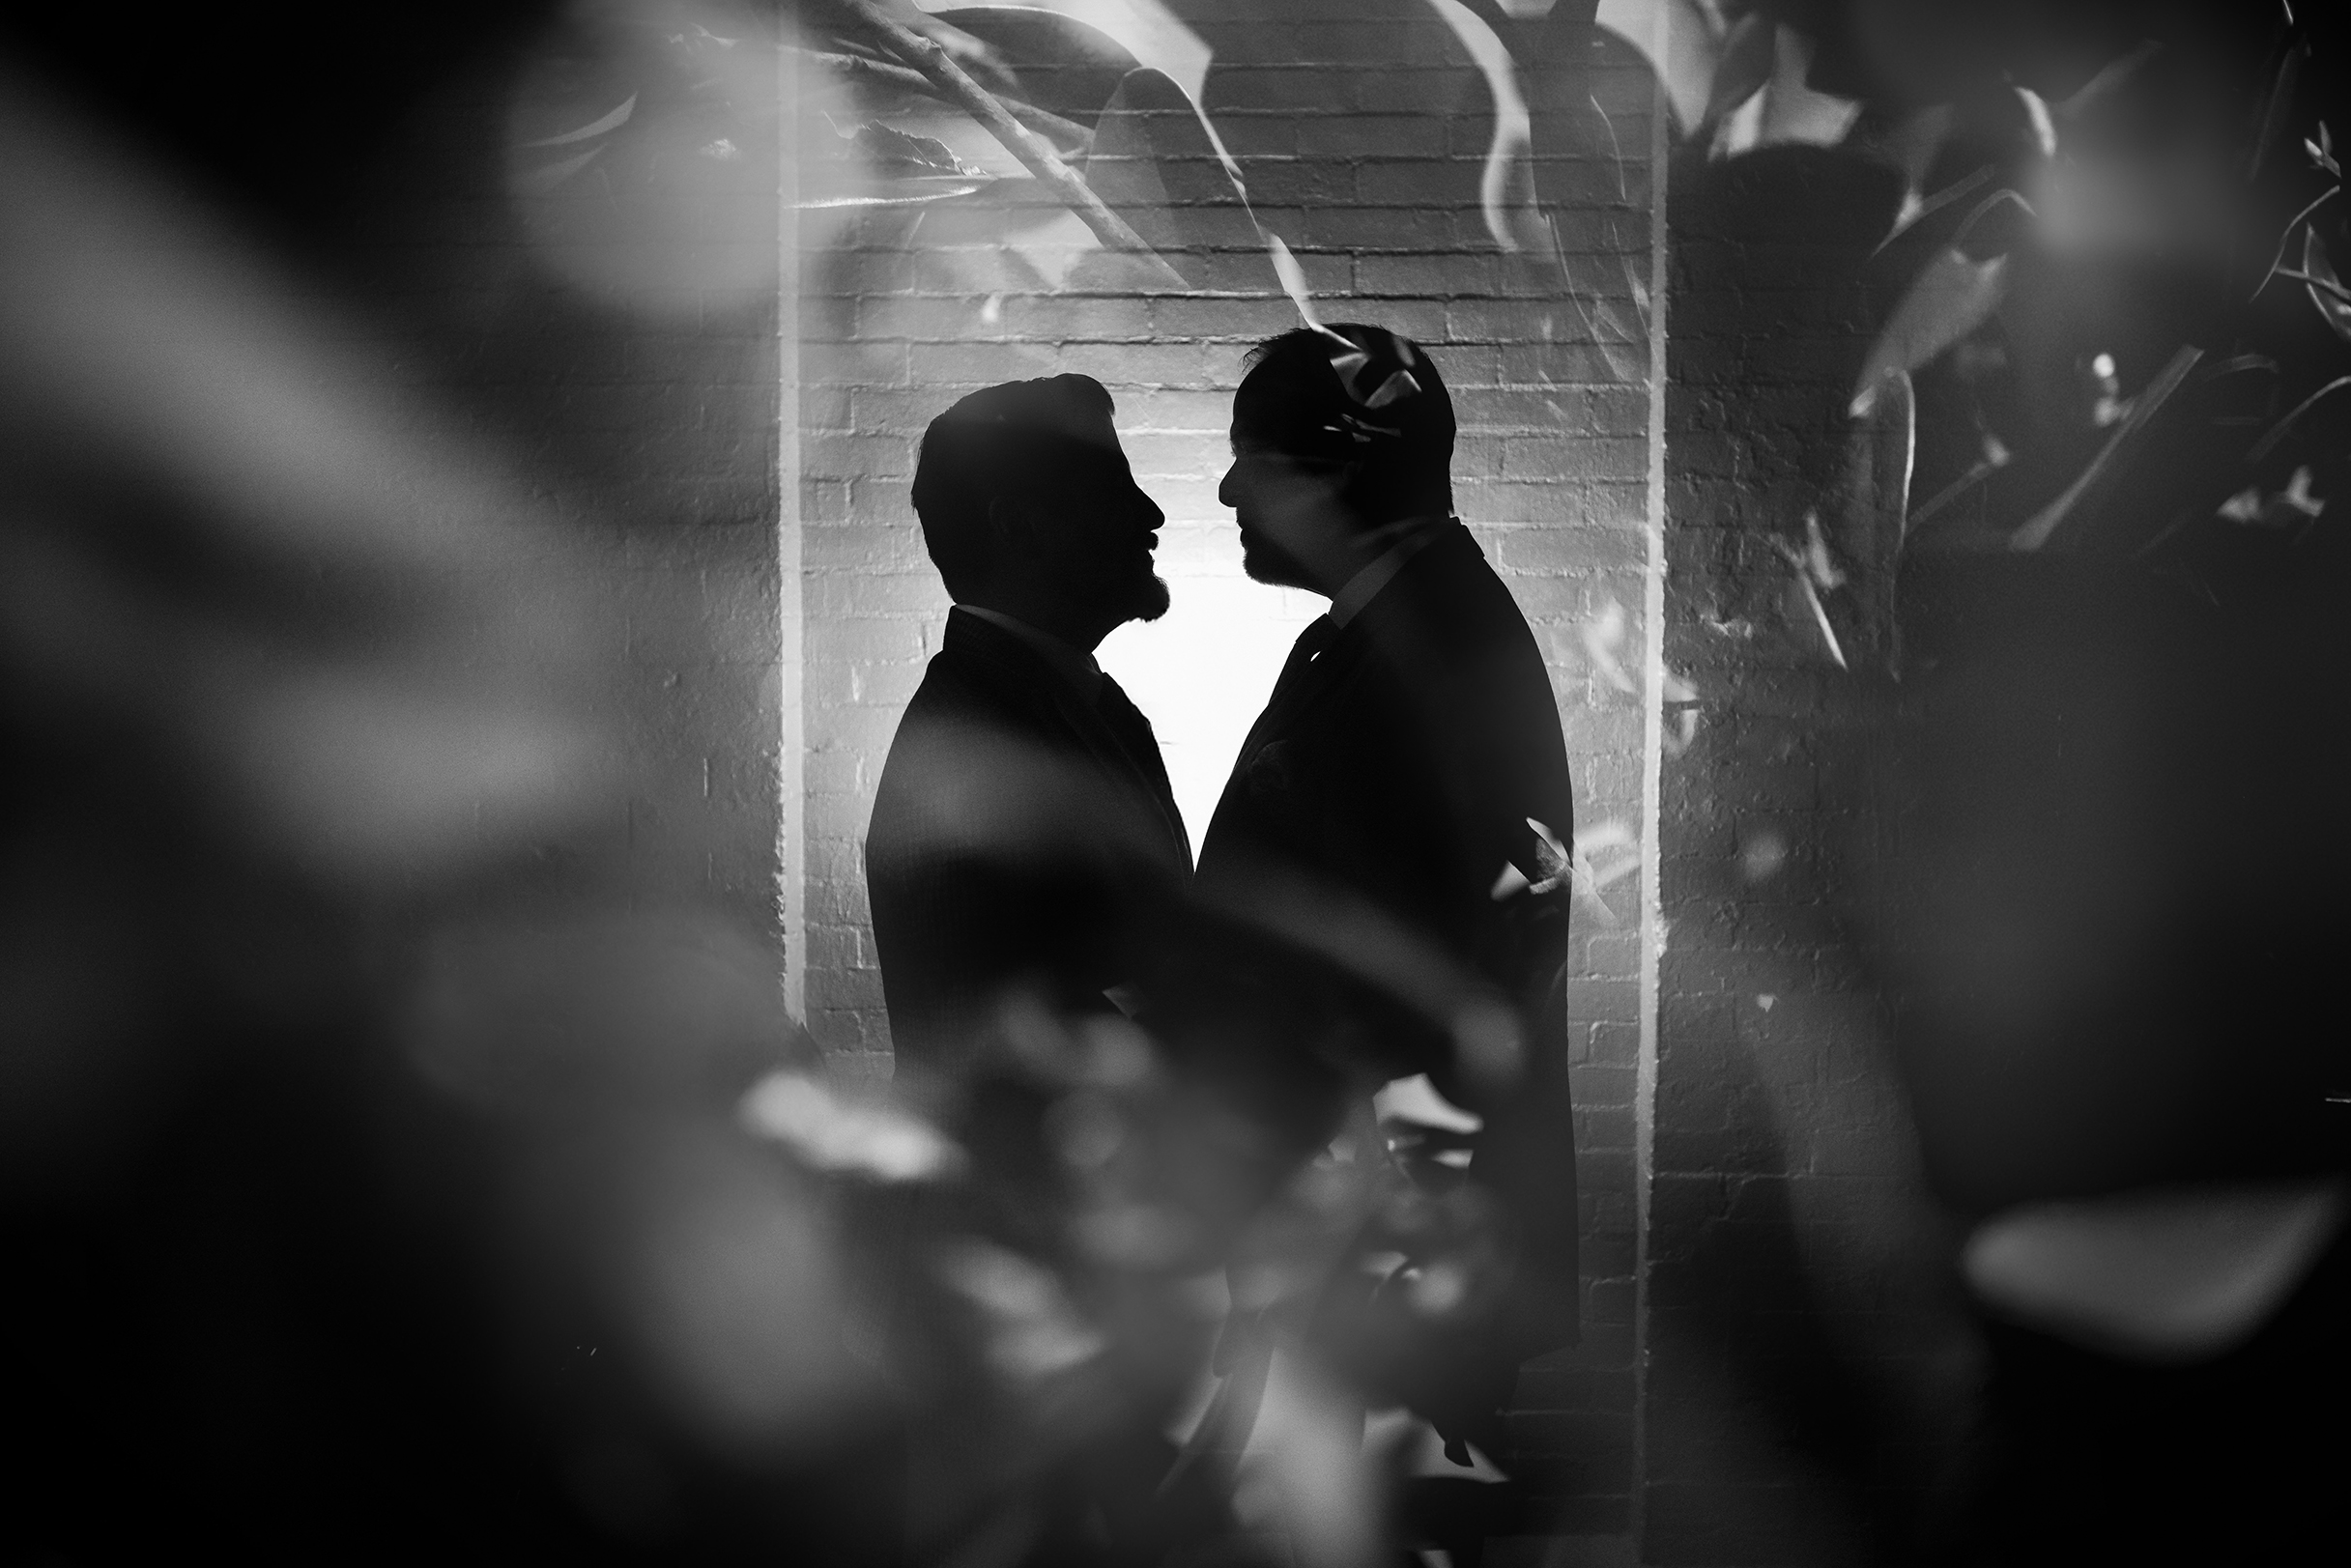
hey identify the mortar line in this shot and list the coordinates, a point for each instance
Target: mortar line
(791, 776)
(1652, 787)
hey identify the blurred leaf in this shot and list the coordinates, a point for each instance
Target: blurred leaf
(2278, 105)
(1952, 296)
(1692, 46)
(976, 55)
(1293, 283)
(1153, 163)
(2104, 89)
(1818, 565)
(380, 671)
(1749, 54)
(2063, 519)
(897, 152)
(1552, 858)
(1505, 190)
(2294, 505)
(2172, 1276)
(611, 121)
(828, 1133)
(1063, 37)
(1787, 111)
(1912, 145)
(1315, 1484)
(1033, 1332)
(879, 166)
(1805, 608)
(1061, 62)
(1603, 636)
(1996, 226)
(1415, 1100)
(2325, 289)
(542, 181)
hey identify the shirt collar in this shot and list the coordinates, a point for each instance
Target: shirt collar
(1412, 536)
(1073, 664)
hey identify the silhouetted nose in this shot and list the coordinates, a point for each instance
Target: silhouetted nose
(1225, 487)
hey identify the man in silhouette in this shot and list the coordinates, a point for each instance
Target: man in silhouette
(1024, 808)
(1409, 770)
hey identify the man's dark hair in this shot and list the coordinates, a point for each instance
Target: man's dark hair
(1023, 441)
(1355, 393)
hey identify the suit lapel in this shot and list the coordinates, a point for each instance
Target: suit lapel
(1296, 696)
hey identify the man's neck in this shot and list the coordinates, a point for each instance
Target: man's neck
(1054, 616)
(1074, 663)
(1383, 553)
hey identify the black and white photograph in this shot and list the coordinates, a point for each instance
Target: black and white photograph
(1176, 783)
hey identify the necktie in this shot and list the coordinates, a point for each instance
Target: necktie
(1135, 738)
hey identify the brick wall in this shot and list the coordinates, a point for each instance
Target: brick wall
(1362, 130)
(1810, 1371)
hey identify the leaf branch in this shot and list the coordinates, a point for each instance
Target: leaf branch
(1036, 153)
(1069, 133)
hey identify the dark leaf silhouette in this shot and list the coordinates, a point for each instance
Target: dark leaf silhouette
(2330, 397)
(2277, 106)
(2064, 521)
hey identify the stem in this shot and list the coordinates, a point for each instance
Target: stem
(2286, 238)
(1032, 149)
(2278, 432)
(1068, 132)
(2329, 284)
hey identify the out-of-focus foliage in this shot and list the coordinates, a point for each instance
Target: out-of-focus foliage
(2075, 550)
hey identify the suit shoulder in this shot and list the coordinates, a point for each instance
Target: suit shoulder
(1460, 607)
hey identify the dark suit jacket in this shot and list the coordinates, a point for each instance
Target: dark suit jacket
(1401, 766)
(1015, 834)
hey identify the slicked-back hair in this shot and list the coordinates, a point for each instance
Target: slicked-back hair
(1022, 441)
(1391, 414)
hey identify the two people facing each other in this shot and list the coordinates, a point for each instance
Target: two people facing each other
(1380, 892)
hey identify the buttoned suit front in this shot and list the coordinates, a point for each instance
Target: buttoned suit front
(1403, 762)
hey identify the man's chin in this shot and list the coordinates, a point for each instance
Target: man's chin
(1264, 561)
(1152, 599)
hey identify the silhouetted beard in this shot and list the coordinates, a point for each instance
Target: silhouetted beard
(1150, 598)
(1265, 562)
(1136, 594)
